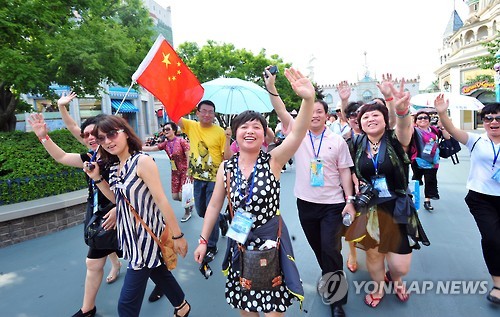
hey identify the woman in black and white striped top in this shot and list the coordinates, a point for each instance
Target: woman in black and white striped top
(135, 177)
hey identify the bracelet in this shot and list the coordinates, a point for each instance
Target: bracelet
(178, 237)
(44, 139)
(202, 240)
(403, 115)
(99, 180)
(275, 95)
(390, 99)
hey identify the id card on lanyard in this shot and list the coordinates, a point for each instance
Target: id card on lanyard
(496, 175)
(171, 149)
(379, 181)
(317, 178)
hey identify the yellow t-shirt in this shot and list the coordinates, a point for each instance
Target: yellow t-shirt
(207, 149)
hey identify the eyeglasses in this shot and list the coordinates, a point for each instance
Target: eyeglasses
(111, 135)
(167, 129)
(423, 118)
(205, 112)
(85, 135)
(489, 119)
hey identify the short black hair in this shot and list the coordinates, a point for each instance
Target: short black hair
(490, 108)
(325, 105)
(173, 125)
(205, 102)
(246, 116)
(374, 106)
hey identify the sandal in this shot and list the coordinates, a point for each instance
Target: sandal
(176, 310)
(401, 293)
(112, 278)
(372, 301)
(493, 299)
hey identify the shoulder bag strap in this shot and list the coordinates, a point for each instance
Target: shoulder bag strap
(138, 218)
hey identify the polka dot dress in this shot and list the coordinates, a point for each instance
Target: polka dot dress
(264, 203)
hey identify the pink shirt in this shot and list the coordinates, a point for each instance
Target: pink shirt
(335, 154)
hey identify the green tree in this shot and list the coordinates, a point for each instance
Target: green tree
(78, 43)
(215, 60)
(488, 61)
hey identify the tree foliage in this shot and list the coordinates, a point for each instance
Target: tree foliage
(214, 60)
(488, 61)
(79, 43)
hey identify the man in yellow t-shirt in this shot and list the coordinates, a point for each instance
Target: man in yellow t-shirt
(207, 143)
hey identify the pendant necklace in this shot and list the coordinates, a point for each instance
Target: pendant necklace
(374, 145)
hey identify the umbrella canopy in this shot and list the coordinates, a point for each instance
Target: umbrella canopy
(457, 101)
(234, 95)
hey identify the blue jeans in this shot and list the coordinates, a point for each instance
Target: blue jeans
(202, 194)
(134, 286)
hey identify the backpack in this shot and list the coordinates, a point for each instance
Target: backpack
(449, 148)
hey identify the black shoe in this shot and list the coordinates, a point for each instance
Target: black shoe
(90, 313)
(223, 224)
(155, 295)
(427, 206)
(337, 311)
(210, 256)
(493, 299)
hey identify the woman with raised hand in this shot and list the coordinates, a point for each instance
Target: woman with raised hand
(254, 186)
(134, 183)
(483, 183)
(96, 258)
(381, 166)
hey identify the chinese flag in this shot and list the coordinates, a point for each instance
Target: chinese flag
(165, 75)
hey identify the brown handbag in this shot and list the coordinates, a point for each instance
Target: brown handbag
(260, 270)
(166, 243)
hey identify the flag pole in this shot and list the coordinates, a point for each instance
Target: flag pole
(124, 97)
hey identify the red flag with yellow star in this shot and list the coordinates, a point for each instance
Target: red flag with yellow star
(165, 75)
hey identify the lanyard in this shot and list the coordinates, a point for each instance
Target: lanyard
(239, 177)
(171, 145)
(316, 154)
(374, 160)
(94, 187)
(495, 154)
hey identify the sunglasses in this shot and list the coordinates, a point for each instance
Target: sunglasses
(111, 135)
(352, 115)
(167, 129)
(489, 119)
(423, 118)
(85, 135)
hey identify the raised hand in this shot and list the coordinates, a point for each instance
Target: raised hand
(441, 104)
(386, 85)
(66, 99)
(344, 90)
(38, 125)
(300, 84)
(401, 92)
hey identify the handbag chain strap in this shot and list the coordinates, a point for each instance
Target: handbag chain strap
(138, 218)
(231, 212)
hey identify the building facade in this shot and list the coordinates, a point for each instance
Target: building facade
(458, 72)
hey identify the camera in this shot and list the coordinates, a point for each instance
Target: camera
(366, 193)
(90, 166)
(273, 70)
(205, 270)
(434, 120)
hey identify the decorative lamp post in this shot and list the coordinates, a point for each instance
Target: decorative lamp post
(497, 76)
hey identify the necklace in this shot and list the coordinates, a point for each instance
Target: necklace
(374, 145)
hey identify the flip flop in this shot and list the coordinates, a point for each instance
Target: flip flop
(372, 301)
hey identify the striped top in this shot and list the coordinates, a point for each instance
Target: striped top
(138, 246)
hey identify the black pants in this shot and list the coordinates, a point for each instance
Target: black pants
(486, 211)
(430, 180)
(322, 225)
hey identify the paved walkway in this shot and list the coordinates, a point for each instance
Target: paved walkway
(45, 276)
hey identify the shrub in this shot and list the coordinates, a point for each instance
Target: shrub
(28, 172)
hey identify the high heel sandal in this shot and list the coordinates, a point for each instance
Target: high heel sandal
(176, 310)
(493, 299)
(112, 278)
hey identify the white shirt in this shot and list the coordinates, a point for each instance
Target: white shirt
(481, 169)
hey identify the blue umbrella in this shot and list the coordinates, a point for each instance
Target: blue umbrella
(234, 95)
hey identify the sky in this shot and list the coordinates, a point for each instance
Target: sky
(401, 37)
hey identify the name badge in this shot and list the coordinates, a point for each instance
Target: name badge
(240, 226)
(380, 184)
(316, 171)
(172, 163)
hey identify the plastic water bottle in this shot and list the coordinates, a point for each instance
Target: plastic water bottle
(347, 220)
(415, 191)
